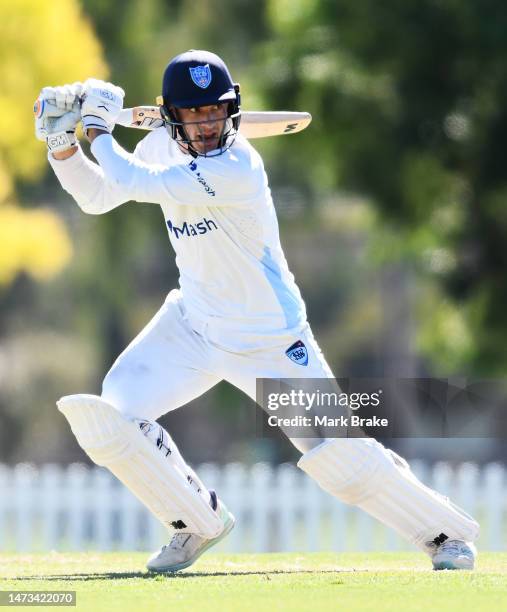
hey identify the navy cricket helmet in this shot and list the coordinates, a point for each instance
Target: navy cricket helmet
(199, 78)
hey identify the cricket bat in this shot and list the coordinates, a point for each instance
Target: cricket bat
(254, 124)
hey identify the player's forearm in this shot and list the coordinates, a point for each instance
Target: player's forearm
(121, 168)
(85, 182)
(92, 134)
(61, 155)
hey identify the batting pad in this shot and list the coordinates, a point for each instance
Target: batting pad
(362, 472)
(154, 471)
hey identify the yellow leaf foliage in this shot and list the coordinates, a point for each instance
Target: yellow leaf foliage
(34, 241)
(41, 43)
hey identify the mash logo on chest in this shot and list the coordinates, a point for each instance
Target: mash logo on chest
(203, 226)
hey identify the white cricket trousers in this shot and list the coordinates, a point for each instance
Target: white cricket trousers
(169, 364)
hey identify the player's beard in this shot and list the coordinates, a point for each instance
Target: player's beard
(206, 140)
(203, 137)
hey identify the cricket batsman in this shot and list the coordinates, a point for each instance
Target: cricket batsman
(237, 315)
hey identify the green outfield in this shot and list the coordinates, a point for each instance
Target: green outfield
(351, 581)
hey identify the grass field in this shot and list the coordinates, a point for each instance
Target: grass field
(267, 582)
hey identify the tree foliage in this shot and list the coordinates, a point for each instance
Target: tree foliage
(405, 149)
(40, 44)
(409, 101)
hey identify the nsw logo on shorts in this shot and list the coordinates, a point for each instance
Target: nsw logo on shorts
(298, 353)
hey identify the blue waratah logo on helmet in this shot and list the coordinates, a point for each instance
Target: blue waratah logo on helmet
(201, 76)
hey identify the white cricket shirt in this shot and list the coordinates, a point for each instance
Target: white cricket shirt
(219, 214)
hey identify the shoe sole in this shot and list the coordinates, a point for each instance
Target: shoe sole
(180, 566)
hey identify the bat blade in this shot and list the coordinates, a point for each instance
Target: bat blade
(260, 124)
(254, 124)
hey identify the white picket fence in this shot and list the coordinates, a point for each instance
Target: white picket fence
(277, 509)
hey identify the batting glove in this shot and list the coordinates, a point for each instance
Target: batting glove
(101, 104)
(57, 112)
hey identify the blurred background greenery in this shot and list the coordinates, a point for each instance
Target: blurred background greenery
(391, 204)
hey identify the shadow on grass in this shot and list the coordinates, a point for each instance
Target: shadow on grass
(175, 576)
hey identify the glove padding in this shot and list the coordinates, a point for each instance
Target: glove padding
(57, 112)
(59, 132)
(101, 104)
(61, 98)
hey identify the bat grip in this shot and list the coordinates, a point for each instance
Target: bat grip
(125, 117)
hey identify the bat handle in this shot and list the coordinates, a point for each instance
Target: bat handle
(125, 117)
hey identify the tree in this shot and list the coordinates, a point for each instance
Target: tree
(409, 102)
(41, 44)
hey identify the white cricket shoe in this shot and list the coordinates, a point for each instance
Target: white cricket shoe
(185, 548)
(454, 555)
